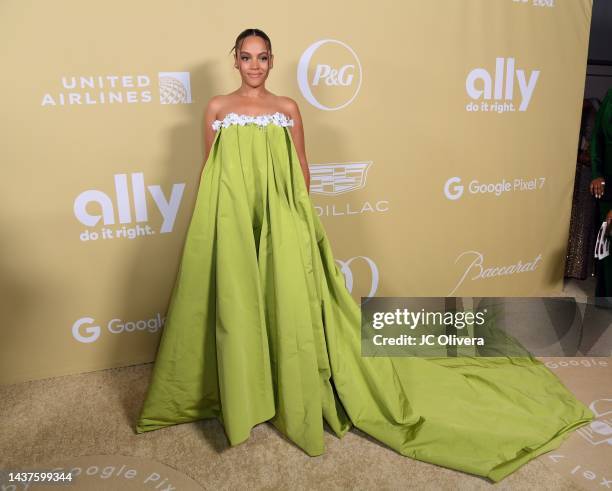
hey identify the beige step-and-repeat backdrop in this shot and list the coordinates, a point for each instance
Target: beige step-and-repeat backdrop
(441, 136)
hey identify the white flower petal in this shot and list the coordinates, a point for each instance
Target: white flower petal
(261, 120)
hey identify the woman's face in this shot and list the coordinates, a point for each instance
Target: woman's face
(254, 61)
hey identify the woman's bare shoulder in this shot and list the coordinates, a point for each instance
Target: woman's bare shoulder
(218, 100)
(288, 105)
(218, 103)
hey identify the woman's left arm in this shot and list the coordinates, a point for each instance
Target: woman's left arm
(297, 134)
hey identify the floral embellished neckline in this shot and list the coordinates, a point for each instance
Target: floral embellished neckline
(261, 120)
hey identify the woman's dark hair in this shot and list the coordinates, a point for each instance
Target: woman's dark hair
(251, 32)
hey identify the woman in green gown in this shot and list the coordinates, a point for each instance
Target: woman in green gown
(261, 326)
(601, 167)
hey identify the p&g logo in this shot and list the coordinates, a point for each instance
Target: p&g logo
(335, 80)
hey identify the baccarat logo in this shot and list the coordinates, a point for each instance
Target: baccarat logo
(477, 268)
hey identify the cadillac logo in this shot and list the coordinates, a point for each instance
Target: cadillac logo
(334, 179)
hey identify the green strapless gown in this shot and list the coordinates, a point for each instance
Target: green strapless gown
(261, 327)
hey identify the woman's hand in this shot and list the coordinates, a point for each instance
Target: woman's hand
(597, 187)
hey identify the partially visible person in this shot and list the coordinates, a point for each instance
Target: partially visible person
(601, 169)
(583, 229)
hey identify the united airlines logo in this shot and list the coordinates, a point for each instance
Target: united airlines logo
(112, 90)
(174, 88)
(335, 179)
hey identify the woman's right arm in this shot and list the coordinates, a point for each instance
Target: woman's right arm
(597, 146)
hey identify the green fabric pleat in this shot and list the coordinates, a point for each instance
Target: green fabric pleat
(261, 327)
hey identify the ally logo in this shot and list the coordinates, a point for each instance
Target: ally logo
(480, 85)
(333, 85)
(108, 211)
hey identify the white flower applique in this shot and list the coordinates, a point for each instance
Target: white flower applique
(261, 120)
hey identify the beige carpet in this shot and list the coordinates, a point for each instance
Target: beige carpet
(52, 420)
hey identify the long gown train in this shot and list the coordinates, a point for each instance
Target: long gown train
(261, 327)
